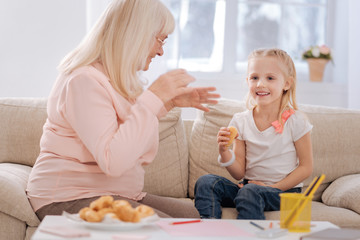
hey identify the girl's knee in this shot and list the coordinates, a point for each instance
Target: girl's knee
(206, 180)
(250, 190)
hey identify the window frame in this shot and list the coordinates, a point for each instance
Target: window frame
(229, 70)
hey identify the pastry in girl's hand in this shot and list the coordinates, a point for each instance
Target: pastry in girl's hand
(233, 133)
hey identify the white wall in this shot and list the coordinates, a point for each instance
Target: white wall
(34, 36)
(37, 34)
(354, 53)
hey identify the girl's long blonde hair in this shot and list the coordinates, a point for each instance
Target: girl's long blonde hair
(121, 40)
(288, 99)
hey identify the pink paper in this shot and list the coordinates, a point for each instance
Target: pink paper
(212, 228)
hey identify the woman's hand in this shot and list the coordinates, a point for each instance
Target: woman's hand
(172, 84)
(195, 98)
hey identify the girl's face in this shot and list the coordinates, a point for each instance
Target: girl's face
(266, 80)
(156, 49)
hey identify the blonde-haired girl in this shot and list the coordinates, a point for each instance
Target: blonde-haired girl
(272, 151)
(102, 126)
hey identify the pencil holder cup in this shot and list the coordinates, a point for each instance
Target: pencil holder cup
(295, 212)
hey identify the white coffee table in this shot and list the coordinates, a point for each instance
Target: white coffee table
(154, 231)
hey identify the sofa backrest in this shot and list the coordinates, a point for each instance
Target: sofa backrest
(335, 140)
(168, 174)
(21, 124)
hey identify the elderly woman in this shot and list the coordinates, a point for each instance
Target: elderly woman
(102, 126)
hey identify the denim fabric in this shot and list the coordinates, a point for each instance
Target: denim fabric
(213, 192)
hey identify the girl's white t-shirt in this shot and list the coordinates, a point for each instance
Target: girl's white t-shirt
(270, 156)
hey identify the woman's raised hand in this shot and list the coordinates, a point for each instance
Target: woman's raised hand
(172, 84)
(195, 98)
(172, 88)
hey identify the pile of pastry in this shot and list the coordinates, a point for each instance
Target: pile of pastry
(116, 209)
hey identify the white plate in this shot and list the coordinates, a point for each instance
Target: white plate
(111, 224)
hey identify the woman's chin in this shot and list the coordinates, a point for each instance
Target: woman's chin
(146, 66)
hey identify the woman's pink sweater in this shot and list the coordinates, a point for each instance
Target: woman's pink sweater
(95, 142)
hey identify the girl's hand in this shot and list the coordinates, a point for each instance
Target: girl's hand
(195, 98)
(259, 183)
(172, 84)
(223, 139)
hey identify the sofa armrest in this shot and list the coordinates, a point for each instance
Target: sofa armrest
(344, 192)
(13, 200)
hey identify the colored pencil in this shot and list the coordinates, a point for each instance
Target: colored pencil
(185, 222)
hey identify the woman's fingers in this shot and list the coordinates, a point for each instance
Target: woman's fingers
(206, 95)
(172, 84)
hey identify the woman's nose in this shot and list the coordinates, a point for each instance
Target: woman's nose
(161, 51)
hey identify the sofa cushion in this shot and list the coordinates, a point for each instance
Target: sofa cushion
(21, 122)
(344, 192)
(11, 228)
(13, 201)
(168, 174)
(335, 140)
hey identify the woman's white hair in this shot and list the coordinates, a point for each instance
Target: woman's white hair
(121, 40)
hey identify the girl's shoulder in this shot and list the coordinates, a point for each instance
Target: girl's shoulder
(299, 116)
(243, 115)
(299, 124)
(241, 119)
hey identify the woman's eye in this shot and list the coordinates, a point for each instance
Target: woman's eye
(254, 78)
(270, 78)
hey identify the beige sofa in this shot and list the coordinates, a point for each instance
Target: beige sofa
(188, 149)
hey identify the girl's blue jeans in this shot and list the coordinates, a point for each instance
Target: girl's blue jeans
(213, 192)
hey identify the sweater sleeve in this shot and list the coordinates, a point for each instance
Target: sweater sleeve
(118, 137)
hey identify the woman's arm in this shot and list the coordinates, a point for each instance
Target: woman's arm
(304, 152)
